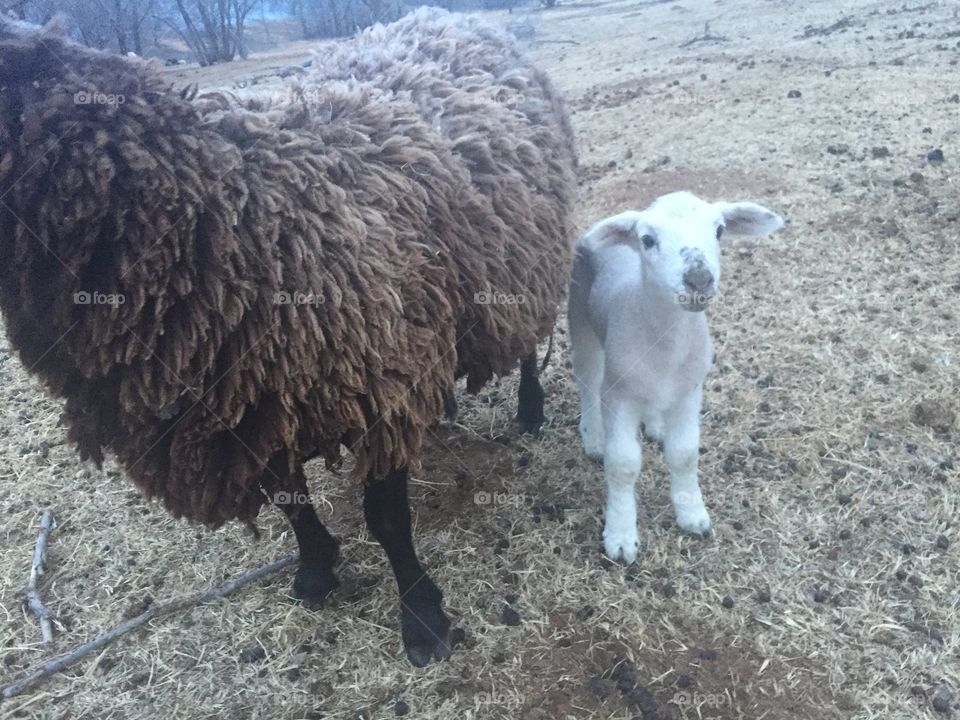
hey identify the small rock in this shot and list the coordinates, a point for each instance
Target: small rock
(793, 94)
(509, 616)
(763, 596)
(901, 575)
(941, 700)
(935, 155)
(252, 654)
(845, 534)
(844, 499)
(728, 602)
(942, 542)
(934, 414)
(400, 708)
(641, 698)
(916, 581)
(684, 681)
(880, 152)
(708, 655)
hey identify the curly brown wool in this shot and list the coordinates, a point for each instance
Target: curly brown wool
(298, 274)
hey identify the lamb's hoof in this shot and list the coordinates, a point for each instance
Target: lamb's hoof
(695, 521)
(621, 546)
(426, 633)
(313, 586)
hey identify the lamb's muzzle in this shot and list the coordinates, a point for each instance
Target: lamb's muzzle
(698, 282)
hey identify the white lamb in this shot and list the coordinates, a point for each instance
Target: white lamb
(641, 347)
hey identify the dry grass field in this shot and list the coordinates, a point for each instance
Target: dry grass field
(830, 459)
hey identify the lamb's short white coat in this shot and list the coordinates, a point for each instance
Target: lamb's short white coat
(641, 346)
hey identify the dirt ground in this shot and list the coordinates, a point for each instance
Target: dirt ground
(830, 441)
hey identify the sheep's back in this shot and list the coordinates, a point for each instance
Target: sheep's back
(503, 122)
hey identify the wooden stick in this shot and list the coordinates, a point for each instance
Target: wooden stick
(61, 662)
(36, 572)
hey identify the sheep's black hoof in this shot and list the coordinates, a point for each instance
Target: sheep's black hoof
(530, 427)
(530, 415)
(426, 632)
(313, 585)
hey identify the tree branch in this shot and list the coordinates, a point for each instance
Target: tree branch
(36, 572)
(61, 662)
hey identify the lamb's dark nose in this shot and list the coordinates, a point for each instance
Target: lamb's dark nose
(698, 279)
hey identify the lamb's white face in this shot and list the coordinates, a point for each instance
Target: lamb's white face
(678, 238)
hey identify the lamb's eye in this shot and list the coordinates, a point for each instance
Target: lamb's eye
(648, 241)
(719, 232)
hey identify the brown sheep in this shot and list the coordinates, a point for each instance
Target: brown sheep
(224, 289)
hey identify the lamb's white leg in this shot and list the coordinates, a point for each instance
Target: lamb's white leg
(621, 466)
(588, 370)
(681, 450)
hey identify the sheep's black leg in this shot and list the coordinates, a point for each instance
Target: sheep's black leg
(319, 551)
(424, 626)
(531, 395)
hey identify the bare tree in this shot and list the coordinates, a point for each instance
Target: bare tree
(116, 24)
(17, 8)
(214, 29)
(127, 19)
(334, 18)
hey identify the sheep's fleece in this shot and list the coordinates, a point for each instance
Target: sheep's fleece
(268, 280)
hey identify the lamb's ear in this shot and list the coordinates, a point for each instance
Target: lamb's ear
(747, 219)
(624, 229)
